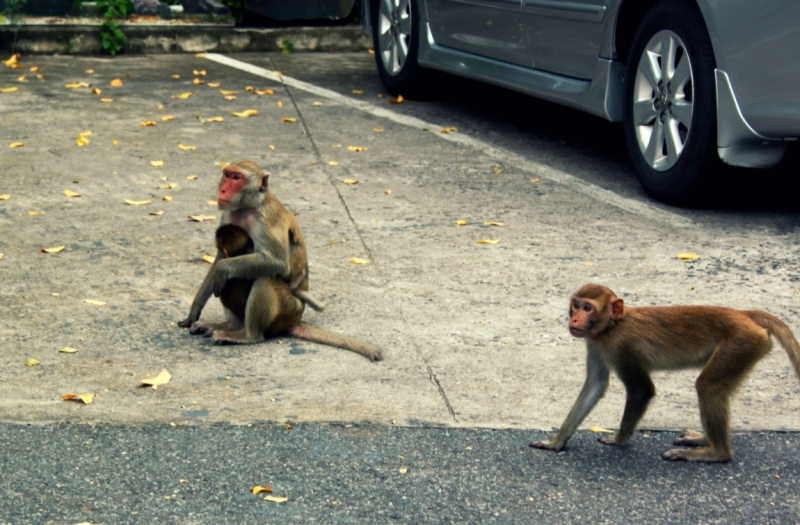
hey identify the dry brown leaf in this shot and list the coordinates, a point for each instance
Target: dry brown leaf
(451, 129)
(137, 203)
(246, 113)
(488, 241)
(116, 82)
(162, 378)
(8, 89)
(106, 100)
(201, 218)
(148, 123)
(358, 91)
(259, 488)
(70, 193)
(81, 141)
(95, 302)
(75, 85)
(356, 260)
(16, 145)
(167, 117)
(688, 256)
(398, 100)
(199, 72)
(493, 223)
(68, 350)
(228, 92)
(461, 222)
(377, 130)
(186, 148)
(156, 163)
(277, 499)
(209, 259)
(332, 163)
(86, 398)
(198, 81)
(97, 91)
(31, 362)
(157, 213)
(289, 119)
(183, 95)
(356, 148)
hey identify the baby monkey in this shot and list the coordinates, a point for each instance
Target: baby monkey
(234, 241)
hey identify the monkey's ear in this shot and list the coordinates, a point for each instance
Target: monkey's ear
(264, 183)
(617, 309)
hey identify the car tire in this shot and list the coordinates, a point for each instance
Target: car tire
(395, 35)
(669, 113)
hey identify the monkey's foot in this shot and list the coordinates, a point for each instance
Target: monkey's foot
(224, 337)
(199, 328)
(612, 440)
(547, 445)
(690, 438)
(698, 454)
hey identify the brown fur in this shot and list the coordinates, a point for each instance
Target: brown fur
(632, 342)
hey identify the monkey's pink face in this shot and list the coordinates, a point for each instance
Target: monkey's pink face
(229, 187)
(582, 316)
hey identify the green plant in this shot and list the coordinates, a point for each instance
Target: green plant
(287, 46)
(237, 8)
(13, 12)
(113, 37)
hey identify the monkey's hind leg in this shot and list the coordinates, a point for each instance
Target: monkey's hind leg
(207, 329)
(691, 438)
(270, 307)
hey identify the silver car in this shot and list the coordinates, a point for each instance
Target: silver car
(693, 81)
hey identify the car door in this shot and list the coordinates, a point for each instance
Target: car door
(489, 28)
(565, 35)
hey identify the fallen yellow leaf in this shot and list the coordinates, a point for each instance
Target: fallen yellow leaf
(201, 218)
(246, 113)
(377, 130)
(200, 72)
(197, 81)
(264, 92)
(86, 134)
(356, 260)
(116, 82)
(212, 203)
(402, 470)
(358, 91)
(31, 362)
(398, 100)
(1, 256)
(166, 198)
(70, 193)
(200, 55)
(289, 119)
(356, 148)
(34, 213)
(176, 76)
(688, 256)
(148, 123)
(22, 78)
(224, 92)
(350, 181)
(451, 129)
(40, 76)
(75, 85)
(209, 259)
(183, 95)
(88, 71)
(214, 84)
(536, 180)
(170, 186)
(229, 97)
(497, 170)
(94, 302)
(388, 192)
(276, 499)
(371, 51)
(271, 146)
(137, 203)
(588, 263)
(488, 241)
(114, 142)
(336, 145)
(157, 213)
(5, 197)
(81, 141)
(106, 100)
(493, 223)
(68, 350)
(259, 488)
(86, 398)
(11, 61)
(332, 163)
(8, 89)
(192, 177)
(215, 119)
(156, 163)
(316, 104)
(600, 430)
(461, 222)
(97, 91)
(186, 148)
(16, 145)
(167, 117)
(162, 378)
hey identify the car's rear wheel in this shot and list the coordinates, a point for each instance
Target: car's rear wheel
(669, 113)
(395, 34)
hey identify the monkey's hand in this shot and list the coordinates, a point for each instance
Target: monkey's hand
(548, 445)
(186, 323)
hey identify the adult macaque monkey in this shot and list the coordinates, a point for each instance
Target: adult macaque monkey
(233, 241)
(632, 342)
(278, 263)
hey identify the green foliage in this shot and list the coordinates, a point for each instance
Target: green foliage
(287, 46)
(13, 11)
(237, 8)
(113, 37)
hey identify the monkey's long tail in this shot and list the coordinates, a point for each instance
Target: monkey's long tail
(317, 335)
(309, 300)
(782, 333)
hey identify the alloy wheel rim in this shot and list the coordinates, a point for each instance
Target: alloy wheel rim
(663, 100)
(394, 34)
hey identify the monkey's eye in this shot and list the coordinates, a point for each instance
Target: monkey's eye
(587, 307)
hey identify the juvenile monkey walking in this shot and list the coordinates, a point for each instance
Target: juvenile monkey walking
(632, 342)
(277, 266)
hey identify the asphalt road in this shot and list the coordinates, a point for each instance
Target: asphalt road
(478, 359)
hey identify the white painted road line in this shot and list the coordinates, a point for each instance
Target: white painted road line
(540, 170)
